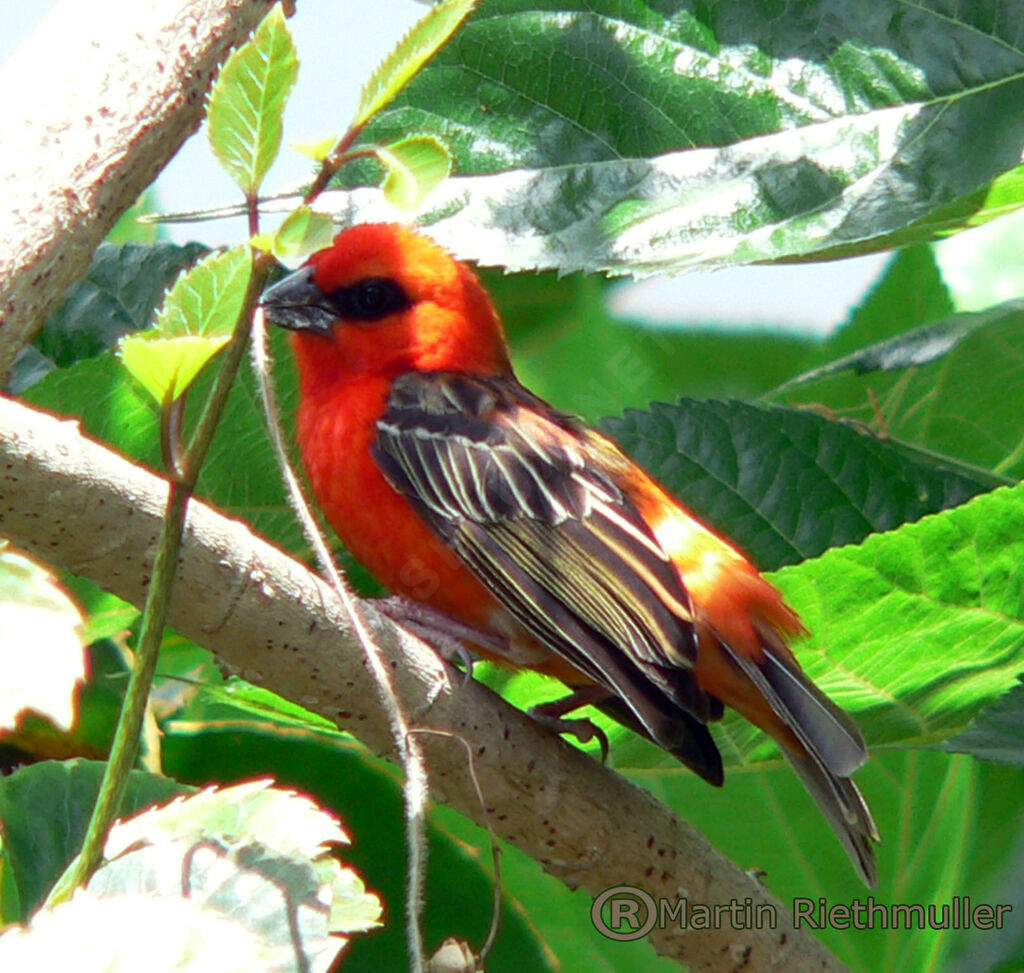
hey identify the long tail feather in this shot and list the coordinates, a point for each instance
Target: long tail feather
(844, 808)
(830, 748)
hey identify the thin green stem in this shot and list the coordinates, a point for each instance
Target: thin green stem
(154, 615)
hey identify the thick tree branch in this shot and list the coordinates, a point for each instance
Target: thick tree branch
(96, 101)
(77, 504)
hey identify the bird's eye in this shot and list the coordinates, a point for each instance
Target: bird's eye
(370, 299)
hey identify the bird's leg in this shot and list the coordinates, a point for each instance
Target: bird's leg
(448, 635)
(552, 715)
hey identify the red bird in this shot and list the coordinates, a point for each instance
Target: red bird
(459, 488)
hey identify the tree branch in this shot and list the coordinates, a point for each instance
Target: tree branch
(79, 505)
(95, 106)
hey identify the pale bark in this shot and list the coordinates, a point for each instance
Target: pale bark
(95, 103)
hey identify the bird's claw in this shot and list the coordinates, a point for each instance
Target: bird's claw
(552, 716)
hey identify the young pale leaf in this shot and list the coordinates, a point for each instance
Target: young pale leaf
(256, 854)
(414, 165)
(304, 231)
(194, 324)
(207, 299)
(40, 643)
(247, 102)
(412, 52)
(166, 367)
(316, 149)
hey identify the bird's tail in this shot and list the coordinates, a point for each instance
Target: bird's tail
(844, 808)
(819, 739)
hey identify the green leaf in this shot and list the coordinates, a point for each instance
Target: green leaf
(415, 166)
(304, 231)
(639, 139)
(997, 732)
(425, 39)
(194, 324)
(44, 810)
(119, 294)
(166, 367)
(247, 102)
(942, 387)
(206, 300)
(923, 625)
(787, 485)
(41, 652)
(910, 291)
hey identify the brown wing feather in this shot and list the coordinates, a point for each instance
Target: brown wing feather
(505, 482)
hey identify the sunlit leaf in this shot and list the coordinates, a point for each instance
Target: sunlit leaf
(166, 367)
(415, 166)
(646, 139)
(193, 325)
(412, 52)
(41, 652)
(316, 149)
(247, 102)
(304, 231)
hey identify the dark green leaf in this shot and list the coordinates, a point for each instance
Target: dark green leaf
(119, 294)
(44, 811)
(947, 387)
(787, 485)
(997, 732)
(635, 137)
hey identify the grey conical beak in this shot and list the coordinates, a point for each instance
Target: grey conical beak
(298, 304)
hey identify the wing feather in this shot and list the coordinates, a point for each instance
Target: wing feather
(508, 484)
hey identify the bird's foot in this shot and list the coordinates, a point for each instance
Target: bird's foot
(552, 715)
(448, 635)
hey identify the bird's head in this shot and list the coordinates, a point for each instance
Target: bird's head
(382, 300)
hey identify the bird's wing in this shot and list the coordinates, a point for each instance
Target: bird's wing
(507, 483)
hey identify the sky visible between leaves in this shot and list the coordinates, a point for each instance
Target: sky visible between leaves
(341, 41)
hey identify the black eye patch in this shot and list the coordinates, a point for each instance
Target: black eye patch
(369, 299)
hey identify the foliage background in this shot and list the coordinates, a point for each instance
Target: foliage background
(914, 631)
